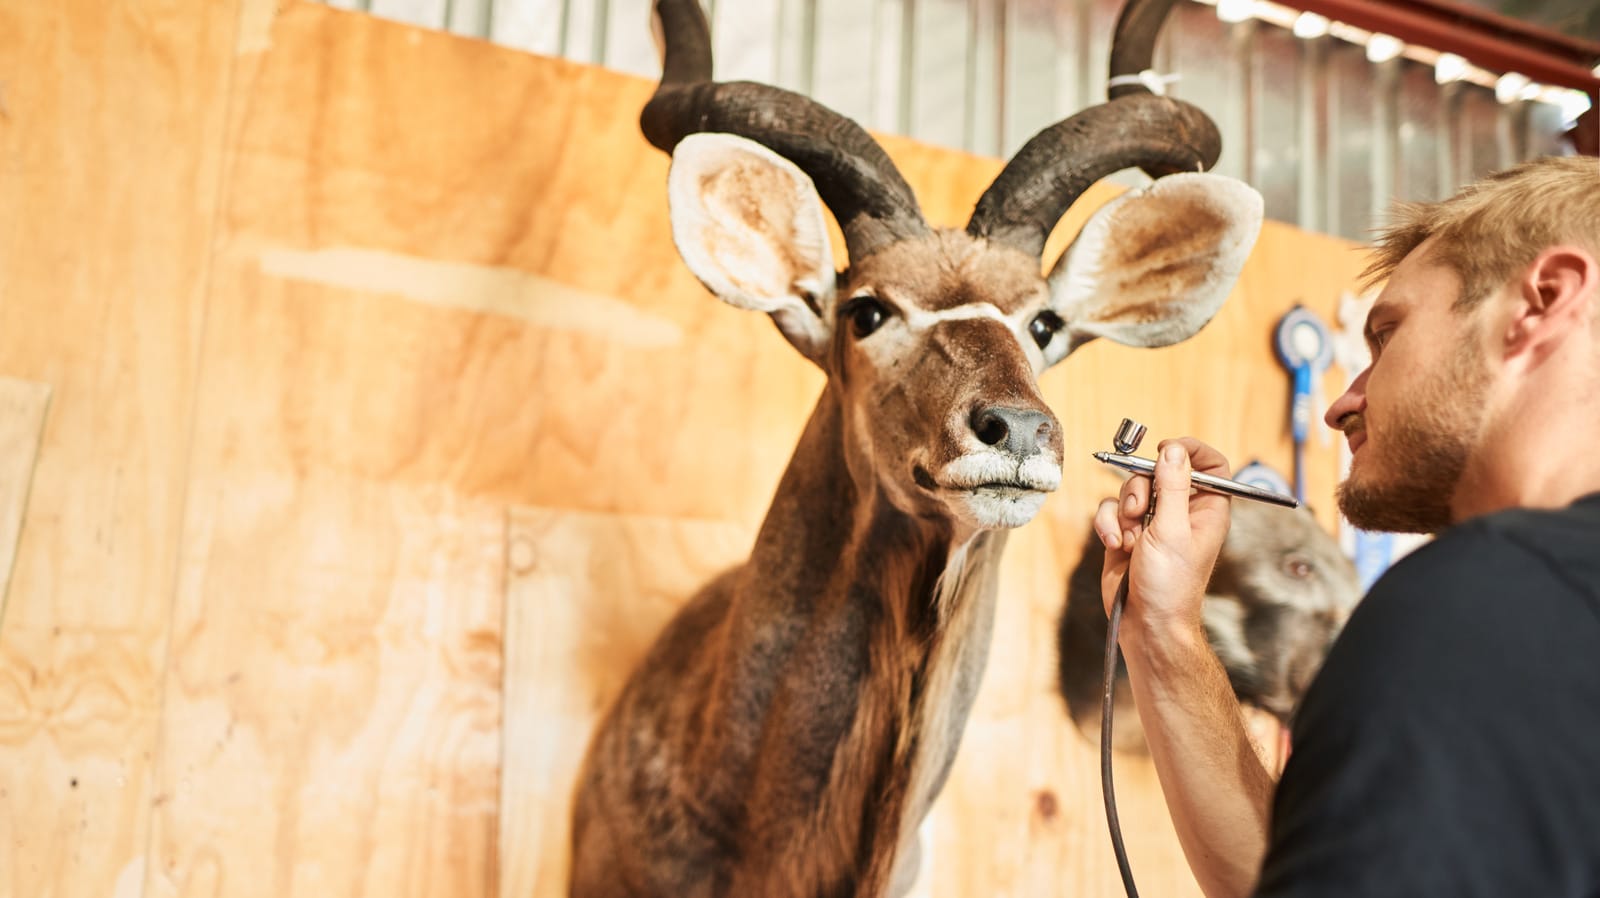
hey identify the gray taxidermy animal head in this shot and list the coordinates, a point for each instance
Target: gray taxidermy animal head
(1281, 591)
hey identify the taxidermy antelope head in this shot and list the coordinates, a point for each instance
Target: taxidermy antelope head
(792, 725)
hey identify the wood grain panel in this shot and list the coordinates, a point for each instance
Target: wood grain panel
(22, 409)
(96, 302)
(78, 716)
(332, 714)
(391, 161)
(110, 159)
(332, 705)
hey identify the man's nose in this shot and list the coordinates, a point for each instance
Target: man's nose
(1353, 400)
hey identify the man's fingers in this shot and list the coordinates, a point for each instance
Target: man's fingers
(1133, 499)
(1202, 457)
(1207, 460)
(1172, 486)
(1116, 532)
(1106, 524)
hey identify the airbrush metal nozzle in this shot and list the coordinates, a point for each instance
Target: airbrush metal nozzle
(1130, 433)
(1145, 467)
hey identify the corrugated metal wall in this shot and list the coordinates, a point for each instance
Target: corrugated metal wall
(1327, 136)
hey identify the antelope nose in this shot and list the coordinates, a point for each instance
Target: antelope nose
(1017, 431)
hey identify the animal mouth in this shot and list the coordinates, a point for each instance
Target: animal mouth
(993, 490)
(1002, 488)
(995, 475)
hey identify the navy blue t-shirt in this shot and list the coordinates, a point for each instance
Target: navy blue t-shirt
(1450, 746)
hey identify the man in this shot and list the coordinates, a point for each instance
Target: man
(1451, 743)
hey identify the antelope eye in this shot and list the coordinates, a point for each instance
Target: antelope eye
(1043, 328)
(1299, 568)
(866, 315)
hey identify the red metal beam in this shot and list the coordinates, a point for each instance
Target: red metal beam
(1573, 49)
(1444, 28)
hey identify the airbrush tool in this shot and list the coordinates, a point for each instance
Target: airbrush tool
(1129, 435)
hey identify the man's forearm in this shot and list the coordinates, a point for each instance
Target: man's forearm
(1216, 788)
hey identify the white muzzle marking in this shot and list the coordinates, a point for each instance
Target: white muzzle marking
(983, 469)
(997, 491)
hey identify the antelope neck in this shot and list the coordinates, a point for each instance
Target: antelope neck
(848, 660)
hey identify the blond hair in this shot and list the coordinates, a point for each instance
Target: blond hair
(1492, 228)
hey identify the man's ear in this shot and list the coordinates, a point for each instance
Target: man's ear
(1152, 266)
(1555, 294)
(749, 224)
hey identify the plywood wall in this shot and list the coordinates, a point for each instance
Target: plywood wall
(377, 447)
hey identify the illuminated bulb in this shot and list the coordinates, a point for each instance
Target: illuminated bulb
(1510, 86)
(1234, 11)
(1450, 67)
(1309, 25)
(1383, 47)
(1573, 104)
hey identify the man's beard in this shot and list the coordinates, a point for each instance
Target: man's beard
(1426, 450)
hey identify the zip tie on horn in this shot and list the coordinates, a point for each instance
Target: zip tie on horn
(1153, 81)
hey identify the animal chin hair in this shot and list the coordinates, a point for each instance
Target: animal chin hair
(951, 580)
(993, 512)
(1038, 471)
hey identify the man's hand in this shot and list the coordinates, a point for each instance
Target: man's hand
(1215, 786)
(1172, 559)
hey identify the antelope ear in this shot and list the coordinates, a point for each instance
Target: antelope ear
(749, 224)
(1152, 266)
